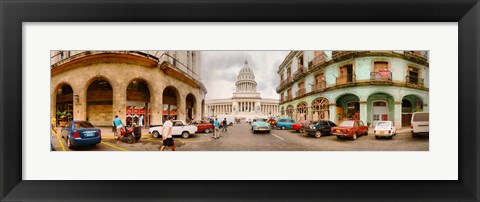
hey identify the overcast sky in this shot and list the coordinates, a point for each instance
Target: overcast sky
(220, 70)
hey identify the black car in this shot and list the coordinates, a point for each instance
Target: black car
(321, 128)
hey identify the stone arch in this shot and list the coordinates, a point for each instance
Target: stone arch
(63, 100)
(289, 111)
(367, 95)
(99, 101)
(171, 102)
(345, 93)
(138, 102)
(190, 106)
(348, 107)
(320, 109)
(380, 107)
(302, 111)
(410, 103)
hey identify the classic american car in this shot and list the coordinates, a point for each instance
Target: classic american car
(260, 125)
(203, 126)
(179, 128)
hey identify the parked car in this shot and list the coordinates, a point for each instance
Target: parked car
(321, 128)
(203, 125)
(351, 129)
(420, 124)
(260, 125)
(81, 133)
(301, 126)
(384, 129)
(179, 128)
(285, 123)
(272, 122)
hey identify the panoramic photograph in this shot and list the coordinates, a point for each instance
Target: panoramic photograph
(191, 100)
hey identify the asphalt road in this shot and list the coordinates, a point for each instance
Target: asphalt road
(240, 138)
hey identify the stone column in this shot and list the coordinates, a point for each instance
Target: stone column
(397, 120)
(333, 112)
(425, 107)
(363, 111)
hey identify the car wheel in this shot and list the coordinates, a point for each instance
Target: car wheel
(155, 134)
(318, 134)
(283, 127)
(390, 137)
(302, 130)
(185, 134)
(414, 135)
(354, 137)
(69, 144)
(207, 130)
(366, 133)
(338, 137)
(376, 137)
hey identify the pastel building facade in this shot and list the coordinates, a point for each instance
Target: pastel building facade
(366, 85)
(97, 85)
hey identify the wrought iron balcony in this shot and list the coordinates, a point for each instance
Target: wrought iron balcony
(414, 81)
(300, 93)
(339, 54)
(381, 76)
(417, 55)
(299, 72)
(346, 79)
(319, 87)
(319, 60)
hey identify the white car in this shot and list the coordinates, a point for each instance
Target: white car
(420, 124)
(179, 128)
(384, 129)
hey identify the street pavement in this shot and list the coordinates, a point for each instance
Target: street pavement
(240, 138)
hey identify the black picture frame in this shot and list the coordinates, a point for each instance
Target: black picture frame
(14, 13)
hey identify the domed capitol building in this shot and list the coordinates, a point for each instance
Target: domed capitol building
(246, 101)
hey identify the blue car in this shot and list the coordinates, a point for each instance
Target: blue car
(260, 125)
(285, 123)
(81, 133)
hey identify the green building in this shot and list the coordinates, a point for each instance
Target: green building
(367, 85)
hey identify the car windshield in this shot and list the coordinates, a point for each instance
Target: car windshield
(384, 123)
(347, 123)
(83, 124)
(420, 117)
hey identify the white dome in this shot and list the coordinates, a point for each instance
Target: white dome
(246, 73)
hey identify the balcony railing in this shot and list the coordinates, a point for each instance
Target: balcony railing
(319, 87)
(317, 61)
(414, 54)
(381, 76)
(299, 72)
(282, 99)
(414, 81)
(338, 54)
(300, 93)
(289, 98)
(346, 79)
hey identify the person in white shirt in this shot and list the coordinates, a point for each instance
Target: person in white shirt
(167, 134)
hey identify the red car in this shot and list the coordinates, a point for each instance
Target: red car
(301, 126)
(351, 129)
(203, 126)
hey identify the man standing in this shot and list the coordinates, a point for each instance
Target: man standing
(117, 122)
(224, 124)
(167, 134)
(216, 124)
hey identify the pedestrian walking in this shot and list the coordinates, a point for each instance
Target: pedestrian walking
(167, 134)
(224, 124)
(117, 123)
(216, 134)
(140, 120)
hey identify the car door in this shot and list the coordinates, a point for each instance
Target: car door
(330, 126)
(362, 128)
(177, 127)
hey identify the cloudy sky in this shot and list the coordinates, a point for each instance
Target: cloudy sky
(220, 70)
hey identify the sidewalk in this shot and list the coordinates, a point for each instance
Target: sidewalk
(108, 133)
